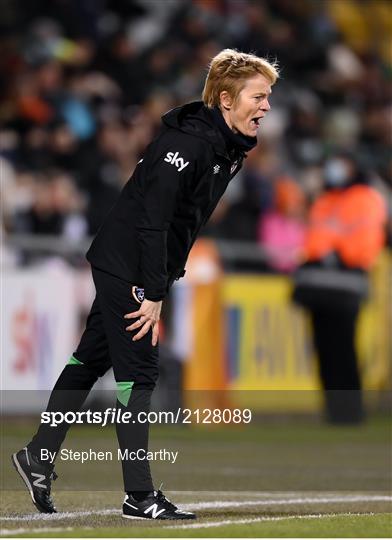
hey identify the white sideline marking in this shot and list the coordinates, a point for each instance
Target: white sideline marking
(258, 520)
(10, 532)
(63, 515)
(299, 500)
(208, 505)
(237, 494)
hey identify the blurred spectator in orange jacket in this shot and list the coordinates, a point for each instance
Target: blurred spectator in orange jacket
(346, 233)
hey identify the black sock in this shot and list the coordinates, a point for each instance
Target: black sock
(139, 495)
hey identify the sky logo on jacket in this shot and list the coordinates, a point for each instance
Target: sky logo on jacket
(176, 160)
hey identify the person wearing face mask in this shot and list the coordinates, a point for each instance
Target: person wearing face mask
(139, 251)
(345, 234)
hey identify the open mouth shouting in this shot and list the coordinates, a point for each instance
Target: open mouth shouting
(256, 121)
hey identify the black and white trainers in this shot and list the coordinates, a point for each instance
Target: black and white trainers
(38, 479)
(155, 506)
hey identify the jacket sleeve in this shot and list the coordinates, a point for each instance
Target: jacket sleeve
(169, 167)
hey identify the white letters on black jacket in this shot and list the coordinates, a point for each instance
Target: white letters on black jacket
(147, 236)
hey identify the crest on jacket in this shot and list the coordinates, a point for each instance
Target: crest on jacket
(234, 166)
(138, 294)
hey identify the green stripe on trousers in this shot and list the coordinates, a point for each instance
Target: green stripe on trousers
(74, 362)
(124, 390)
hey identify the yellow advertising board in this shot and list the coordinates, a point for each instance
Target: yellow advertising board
(374, 331)
(268, 345)
(249, 338)
(267, 335)
(269, 342)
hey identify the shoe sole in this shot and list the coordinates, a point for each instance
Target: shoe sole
(158, 519)
(134, 517)
(21, 473)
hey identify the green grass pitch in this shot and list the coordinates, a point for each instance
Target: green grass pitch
(273, 479)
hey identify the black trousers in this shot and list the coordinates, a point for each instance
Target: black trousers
(105, 344)
(334, 340)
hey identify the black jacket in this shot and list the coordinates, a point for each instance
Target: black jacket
(149, 232)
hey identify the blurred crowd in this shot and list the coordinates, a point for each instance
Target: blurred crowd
(84, 84)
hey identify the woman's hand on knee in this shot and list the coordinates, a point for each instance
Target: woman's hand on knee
(147, 317)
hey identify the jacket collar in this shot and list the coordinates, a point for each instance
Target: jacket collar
(197, 119)
(234, 141)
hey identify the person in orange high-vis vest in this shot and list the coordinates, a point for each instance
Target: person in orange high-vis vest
(345, 234)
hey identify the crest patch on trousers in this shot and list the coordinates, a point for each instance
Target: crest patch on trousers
(138, 294)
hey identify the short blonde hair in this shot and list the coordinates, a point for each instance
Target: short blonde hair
(229, 70)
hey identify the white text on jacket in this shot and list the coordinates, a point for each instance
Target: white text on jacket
(174, 159)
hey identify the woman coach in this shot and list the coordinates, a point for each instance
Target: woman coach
(141, 248)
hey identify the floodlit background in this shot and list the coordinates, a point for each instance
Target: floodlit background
(84, 85)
